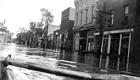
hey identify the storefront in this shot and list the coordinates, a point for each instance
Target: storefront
(115, 48)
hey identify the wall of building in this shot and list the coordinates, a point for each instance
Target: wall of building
(72, 14)
(135, 56)
(52, 28)
(118, 7)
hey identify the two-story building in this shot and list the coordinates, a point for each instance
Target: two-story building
(67, 23)
(84, 26)
(84, 22)
(120, 46)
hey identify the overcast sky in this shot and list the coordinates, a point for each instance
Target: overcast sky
(18, 13)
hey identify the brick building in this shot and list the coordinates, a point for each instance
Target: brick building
(67, 22)
(120, 43)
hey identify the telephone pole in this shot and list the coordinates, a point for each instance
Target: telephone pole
(101, 20)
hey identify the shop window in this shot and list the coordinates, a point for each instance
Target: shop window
(90, 44)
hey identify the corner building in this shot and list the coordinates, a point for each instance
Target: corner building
(121, 33)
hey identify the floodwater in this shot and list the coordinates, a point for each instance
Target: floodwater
(68, 60)
(51, 58)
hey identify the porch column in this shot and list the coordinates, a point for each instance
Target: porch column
(108, 52)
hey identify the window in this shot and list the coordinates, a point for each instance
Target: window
(90, 44)
(76, 18)
(92, 13)
(126, 11)
(81, 16)
(112, 17)
(86, 15)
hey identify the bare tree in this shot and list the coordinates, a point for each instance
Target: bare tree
(47, 19)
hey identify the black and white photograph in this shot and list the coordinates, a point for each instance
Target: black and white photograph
(69, 39)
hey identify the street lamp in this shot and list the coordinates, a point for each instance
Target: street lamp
(56, 34)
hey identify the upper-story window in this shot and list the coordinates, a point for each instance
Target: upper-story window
(92, 13)
(126, 12)
(81, 16)
(76, 18)
(86, 15)
(112, 17)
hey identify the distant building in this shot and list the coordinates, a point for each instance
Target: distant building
(51, 41)
(5, 35)
(66, 32)
(52, 28)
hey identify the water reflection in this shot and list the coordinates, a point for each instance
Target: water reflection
(66, 55)
(79, 57)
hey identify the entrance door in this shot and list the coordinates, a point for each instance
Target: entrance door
(104, 51)
(114, 48)
(82, 48)
(124, 52)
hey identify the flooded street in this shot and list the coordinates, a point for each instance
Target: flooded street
(49, 58)
(54, 60)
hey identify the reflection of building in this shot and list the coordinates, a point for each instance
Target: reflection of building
(5, 35)
(120, 45)
(67, 22)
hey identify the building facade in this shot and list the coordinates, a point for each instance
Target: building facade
(51, 36)
(84, 22)
(67, 22)
(119, 22)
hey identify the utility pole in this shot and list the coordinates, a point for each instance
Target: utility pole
(101, 20)
(101, 16)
